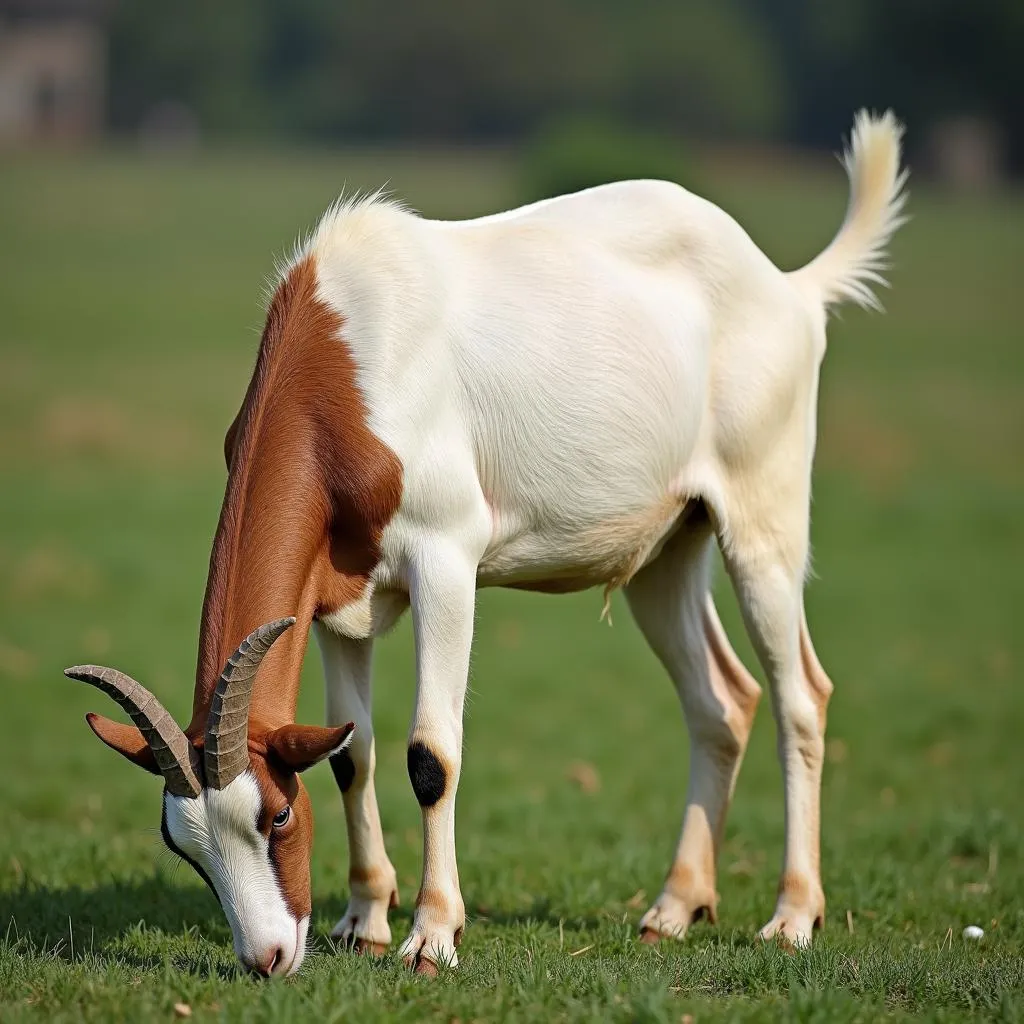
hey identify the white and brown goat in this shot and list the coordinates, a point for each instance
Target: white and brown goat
(588, 391)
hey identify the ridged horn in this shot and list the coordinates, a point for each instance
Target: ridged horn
(176, 758)
(226, 751)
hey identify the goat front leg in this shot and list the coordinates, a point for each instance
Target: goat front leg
(373, 889)
(443, 593)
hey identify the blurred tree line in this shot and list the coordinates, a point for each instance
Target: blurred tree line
(457, 70)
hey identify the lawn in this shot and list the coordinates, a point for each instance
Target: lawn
(130, 306)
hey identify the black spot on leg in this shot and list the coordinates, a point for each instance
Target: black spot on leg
(344, 770)
(427, 774)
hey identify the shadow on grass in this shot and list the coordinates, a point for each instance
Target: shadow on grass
(97, 920)
(539, 911)
(149, 923)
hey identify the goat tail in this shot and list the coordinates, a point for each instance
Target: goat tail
(853, 263)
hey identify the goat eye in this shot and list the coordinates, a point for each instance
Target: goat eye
(282, 817)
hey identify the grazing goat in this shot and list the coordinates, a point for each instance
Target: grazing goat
(587, 391)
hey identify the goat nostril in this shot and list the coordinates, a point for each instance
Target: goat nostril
(265, 966)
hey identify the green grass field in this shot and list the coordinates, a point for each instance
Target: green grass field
(130, 306)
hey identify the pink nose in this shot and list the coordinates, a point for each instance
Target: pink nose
(265, 965)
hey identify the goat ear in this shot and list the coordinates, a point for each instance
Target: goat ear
(298, 747)
(127, 740)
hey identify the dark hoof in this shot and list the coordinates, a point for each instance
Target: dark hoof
(425, 967)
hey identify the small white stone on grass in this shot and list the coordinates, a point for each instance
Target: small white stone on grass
(972, 931)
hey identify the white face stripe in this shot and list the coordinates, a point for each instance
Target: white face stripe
(218, 831)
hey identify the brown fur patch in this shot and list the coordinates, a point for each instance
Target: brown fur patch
(680, 879)
(365, 876)
(290, 846)
(433, 903)
(372, 882)
(794, 890)
(695, 888)
(310, 489)
(800, 893)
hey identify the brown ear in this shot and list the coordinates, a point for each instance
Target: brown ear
(299, 747)
(127, 740)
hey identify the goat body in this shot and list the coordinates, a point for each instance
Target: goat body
(591, 390)
(586, 391)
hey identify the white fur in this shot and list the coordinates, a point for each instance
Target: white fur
(374, 612)
(559, 381)
(373, 885)
(218, 831)
(343, 745)
(854, 262)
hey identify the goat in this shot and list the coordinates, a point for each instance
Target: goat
(587, 391)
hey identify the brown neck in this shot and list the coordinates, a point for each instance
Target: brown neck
(256, 575)
(272, 524)
(309, 491)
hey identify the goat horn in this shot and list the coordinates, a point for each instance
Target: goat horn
(226, 753)
(176, 758)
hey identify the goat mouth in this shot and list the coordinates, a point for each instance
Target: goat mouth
(297, 954)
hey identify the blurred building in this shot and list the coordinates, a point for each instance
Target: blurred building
(52, 71)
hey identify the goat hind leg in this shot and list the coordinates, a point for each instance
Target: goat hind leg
(671, 604)
(767, 572)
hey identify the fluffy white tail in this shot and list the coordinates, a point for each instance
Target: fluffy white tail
(854, 261)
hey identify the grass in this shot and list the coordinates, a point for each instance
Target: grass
(130, 299)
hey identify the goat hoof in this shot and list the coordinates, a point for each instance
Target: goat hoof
(425, 967)
(367, 947)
